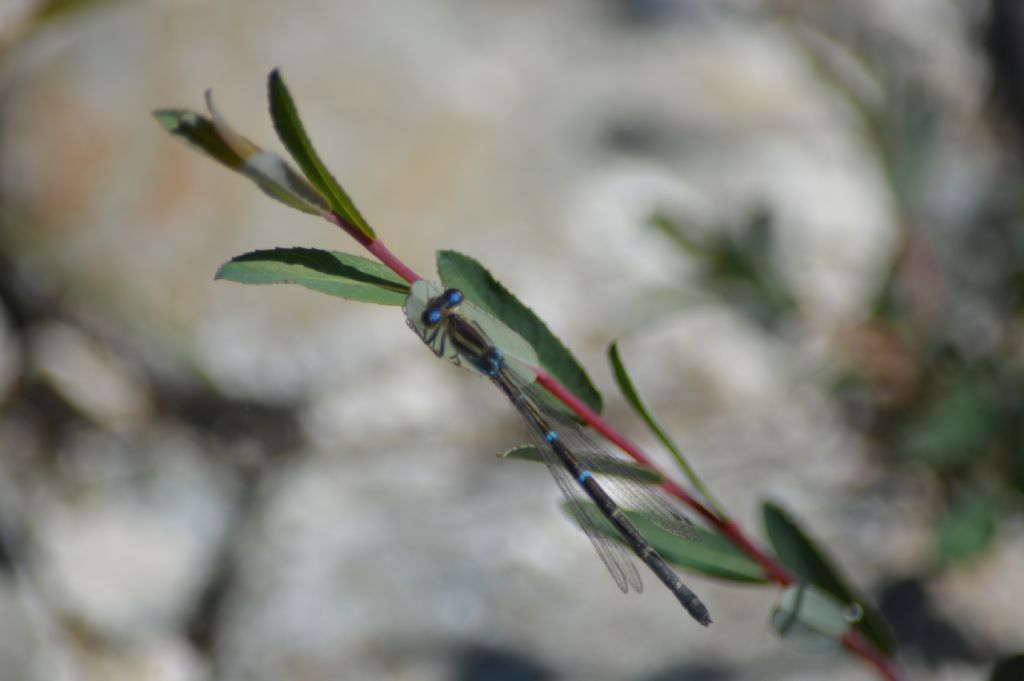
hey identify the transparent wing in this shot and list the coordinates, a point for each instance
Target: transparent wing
(629, 491)
(615, 556)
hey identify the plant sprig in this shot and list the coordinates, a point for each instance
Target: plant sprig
(726, 552)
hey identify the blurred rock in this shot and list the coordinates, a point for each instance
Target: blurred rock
(127, 551)
(374, 562)
(20, 649)
(162, 658)
(98, 383)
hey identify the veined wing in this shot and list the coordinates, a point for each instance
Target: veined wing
(630, 492)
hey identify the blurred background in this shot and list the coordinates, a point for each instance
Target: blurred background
(803, 219)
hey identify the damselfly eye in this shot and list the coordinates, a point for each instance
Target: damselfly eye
(431, 316)
(452, 297)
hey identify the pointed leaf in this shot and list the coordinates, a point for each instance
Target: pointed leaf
(632, 396)
(337, 274)
(712, 555)
(601, 466)
(970, 524)
(293, 135)
(797, 552)
(469, 276)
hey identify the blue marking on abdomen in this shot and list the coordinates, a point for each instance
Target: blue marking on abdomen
(491, 362)
(583, 477)
(551, 436)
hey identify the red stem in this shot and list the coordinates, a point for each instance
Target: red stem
(374, 246)
(388, 258)
(772, 569)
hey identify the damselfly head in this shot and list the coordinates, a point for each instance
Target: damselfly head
(438, 307)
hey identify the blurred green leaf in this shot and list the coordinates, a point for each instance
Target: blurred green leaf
(293, 135)
(337, 274)
(798, 553)
(970, 525)
(466, 274)
(602, 466)
(49, 10)
(1008, 669)
(677, 234)
(740, 267)
(954, 428)
(713, 555)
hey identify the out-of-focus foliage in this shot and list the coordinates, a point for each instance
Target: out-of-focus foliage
(934, 374)
(740, 267)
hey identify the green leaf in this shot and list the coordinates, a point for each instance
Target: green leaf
(1008, 669)
(269, 171)
(955, 428)
(600, 466)
(632, 396)
(798, 553)
(466, 274)
(293, 135)
(970, 525)
(200, 132)
(337, 274)
(713, 555)
(811, 617)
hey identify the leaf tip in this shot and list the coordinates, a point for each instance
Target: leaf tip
(168, 118)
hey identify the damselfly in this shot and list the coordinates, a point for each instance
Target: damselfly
(469, 337)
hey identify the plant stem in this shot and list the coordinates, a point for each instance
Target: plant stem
(374, 246)
(388, 258)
